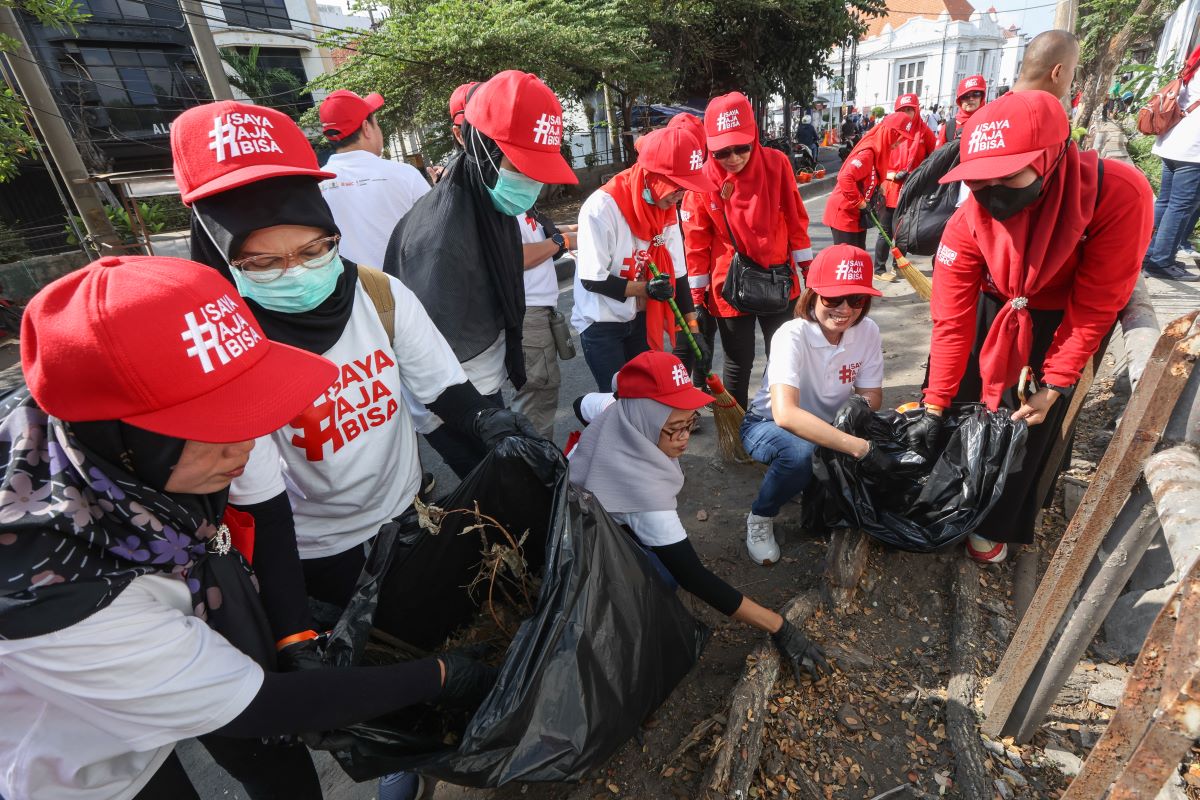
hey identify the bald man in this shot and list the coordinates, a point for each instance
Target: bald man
(1049, 65)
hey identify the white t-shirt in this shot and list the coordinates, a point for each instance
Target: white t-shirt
(349, 461)
(607, 247)
(826, 374)
(1182, 143)
(91, 711)
(541, 282)
(368, 197)
(654, 528)
(486, 370)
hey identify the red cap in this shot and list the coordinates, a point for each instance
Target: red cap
(841, 270)
(1008, 134)
(458, 101)
(729, 120)
(164, 344)
(660, 376)
(221, 146)
(675, 154)
(524, 118)
(343, 112)
(907, 101)
(975, 83)
(900, 122)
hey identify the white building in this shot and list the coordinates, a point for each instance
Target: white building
(924, 47)
(286, 32)
(1180, 35)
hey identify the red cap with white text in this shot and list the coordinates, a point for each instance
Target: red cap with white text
(660, 376)
(343, 112)
(458, 101)
(907, 101)
(1008, 134)
(729, 121)
(841, 270)
(221, 146)
(675, 154)
(974, 83)
(164, 344)
(524, 118)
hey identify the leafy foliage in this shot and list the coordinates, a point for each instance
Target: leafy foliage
(16, 143)
(274, 87)
(158, 215)
(13, 246)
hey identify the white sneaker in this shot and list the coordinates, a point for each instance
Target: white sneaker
(760, 539)
(985, 550)
(1187, 251)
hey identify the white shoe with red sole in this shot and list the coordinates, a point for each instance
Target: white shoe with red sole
(985, 550)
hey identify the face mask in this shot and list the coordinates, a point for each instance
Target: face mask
(299, 289)
(1003, 202)
(646, 196)
(514, 193)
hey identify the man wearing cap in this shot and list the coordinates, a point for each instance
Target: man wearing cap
(970, 97)
(908, 155)
(459, 249)
(370, 193)
(1029, 278)
(625, 226)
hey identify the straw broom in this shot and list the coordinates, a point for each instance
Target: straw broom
(726, 411)
(914, 276)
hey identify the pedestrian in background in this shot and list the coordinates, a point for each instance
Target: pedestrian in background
(1049, 64)
(970, 97)
(858, 179)
(806, 134)
(753, 212)
(907, 156)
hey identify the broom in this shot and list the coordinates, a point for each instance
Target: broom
(726, 411)
(914, 276)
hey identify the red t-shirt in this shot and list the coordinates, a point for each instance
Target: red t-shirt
(909, 155)
(1091, 289)
(856, 181)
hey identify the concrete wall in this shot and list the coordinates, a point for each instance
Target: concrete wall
(22, 279)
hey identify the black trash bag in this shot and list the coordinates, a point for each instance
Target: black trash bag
(607, 643)
(917, 506)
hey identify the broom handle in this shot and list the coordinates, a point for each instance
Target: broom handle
(879, 227)
(679, 318)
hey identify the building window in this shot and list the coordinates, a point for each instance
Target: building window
(278, 96)
(257, 14)
(910, 78)
(135, 92)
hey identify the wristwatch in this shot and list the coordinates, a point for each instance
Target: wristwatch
(1063, 391)
(561, 241)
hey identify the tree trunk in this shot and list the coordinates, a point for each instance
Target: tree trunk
(1105, 63)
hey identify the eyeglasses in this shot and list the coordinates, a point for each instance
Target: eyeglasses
(852, 300)
(726, 152)
(268, 267)
(682, 431)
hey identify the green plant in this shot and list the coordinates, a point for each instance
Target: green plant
(273, 87)
(878, 112)
(13, 246)
(1139, 147)
(154, 219)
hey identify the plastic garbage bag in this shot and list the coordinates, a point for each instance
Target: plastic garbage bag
(607, 643)
(918, 505)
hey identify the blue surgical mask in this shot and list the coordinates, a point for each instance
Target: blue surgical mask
(514, 193)
(300, 288)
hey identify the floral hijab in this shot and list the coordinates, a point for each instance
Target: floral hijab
(80, 520)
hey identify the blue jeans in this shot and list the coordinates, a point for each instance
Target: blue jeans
(607, 346)
(1178, 198)
(788, 459)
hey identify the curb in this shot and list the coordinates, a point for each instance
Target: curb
(816, 187)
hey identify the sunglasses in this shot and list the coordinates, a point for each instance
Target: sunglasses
(852, 300)
(726, 152)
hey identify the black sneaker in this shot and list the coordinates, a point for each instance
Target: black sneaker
(1171, 272)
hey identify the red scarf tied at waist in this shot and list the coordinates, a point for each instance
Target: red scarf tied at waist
(1025, 252)
(649, 223)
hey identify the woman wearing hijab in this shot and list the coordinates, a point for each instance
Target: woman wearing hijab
(620, 308)
(829, 353)
(754, 210)
(348, 460)
(970, 97)
(116, 547)
(1031, 273)
(628, 457)
(858, 179)
(911, 151)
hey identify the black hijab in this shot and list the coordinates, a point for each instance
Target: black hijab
(221, 223)
(463, 259)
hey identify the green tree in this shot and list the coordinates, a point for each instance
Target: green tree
(274, 87)
(16, 142)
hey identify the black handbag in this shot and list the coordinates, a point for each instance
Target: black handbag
(752, 288)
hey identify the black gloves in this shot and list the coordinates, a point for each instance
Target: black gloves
(925, 435)
(704, 363)
(796, 648)
(901, 175)
(467, 681)
(307, 654)
(660, 288)
(491, 425)
(876, 461)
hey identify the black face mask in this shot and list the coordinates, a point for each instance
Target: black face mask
(1003, 202)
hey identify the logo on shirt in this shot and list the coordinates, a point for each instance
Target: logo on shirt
(849, 269)
(849, 372)
(548, 130)
(946, 255)
(856, 162)
(685, 216)
(357, 402)
(238, 134)
(987, 136)
(697, 160)
(727, 120)
(679, 374)
(218, 330)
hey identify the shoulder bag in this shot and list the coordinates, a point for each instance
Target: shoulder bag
(752, 288)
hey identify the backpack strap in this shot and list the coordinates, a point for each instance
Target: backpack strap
(380, 291)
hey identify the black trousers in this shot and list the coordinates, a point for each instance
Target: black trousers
(882, 251)
(683, 351)
(856, 238)
(266, 771)
(1013, 517)
(737, 340)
